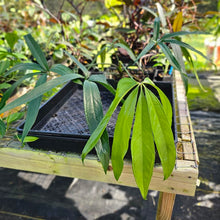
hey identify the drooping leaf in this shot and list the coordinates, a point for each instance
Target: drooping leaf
(24, 67)
(142, 146)
(80, 65)
(36, 51)
(124, 86)
(162, 132)
(11, 39)
(101, 79)
(128, 50)
(180, 33)
(40, 90)
(2, 128)
(170, 56)
(189, 59)
(33, 108)
(94, 114)
(61, 69)
(164, 100)
(150, 11)
(122, 133)
(182, 44)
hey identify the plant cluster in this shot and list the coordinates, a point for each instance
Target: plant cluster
(145, 118)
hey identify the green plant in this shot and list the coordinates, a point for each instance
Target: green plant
(152, 116)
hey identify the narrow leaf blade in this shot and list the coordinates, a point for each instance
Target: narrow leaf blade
(36, 51)
(122, 133)
(94, 114)
(33, 108)
(124, 86)
(162, 132)
(142, 147)
(40, 90)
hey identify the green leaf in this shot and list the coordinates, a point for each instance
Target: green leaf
(40, 90)
(3, 66)
(180, 33)
(156, 28)
(163, 135)
(122, 133)
(11, 39)
(145, 50)
(99, 78)
(182, 44)
(5, 85)
(124, 86)
(142, 146)
(33, 108)
(94, 114)
(61, 69)
(170, 56)
(36, 51)
(25, 67)
(164, 100)
(2, 128)
(27, 139)
(8, 93)
(129, 51)
(80, 65)
(14, 117)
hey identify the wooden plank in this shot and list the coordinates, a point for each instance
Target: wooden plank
(182, 181)
(165, 206)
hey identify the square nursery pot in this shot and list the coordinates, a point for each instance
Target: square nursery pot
(61, 124)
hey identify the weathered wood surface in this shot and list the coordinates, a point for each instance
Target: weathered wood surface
(182, 181)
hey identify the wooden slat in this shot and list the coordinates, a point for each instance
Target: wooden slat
(165, 206)
(182, 181)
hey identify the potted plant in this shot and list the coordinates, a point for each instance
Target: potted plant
(152, 116)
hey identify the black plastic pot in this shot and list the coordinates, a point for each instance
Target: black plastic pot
(61, 125)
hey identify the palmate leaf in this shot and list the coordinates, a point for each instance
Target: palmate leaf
(33, 108)
(36, 51)
(142, 146)
(122, 133)
(162, 132)
(94, 114)
(124, 86)
(40, 90)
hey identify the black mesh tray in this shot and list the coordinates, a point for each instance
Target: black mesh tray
(61, 124)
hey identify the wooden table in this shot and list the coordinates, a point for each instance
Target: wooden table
(182, 181)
